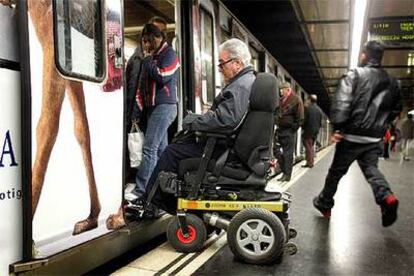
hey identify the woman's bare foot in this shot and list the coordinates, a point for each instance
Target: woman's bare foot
(115, 221)
(85, 225)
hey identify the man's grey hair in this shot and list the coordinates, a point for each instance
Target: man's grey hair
(237, 49)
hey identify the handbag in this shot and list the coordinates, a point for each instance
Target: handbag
(135, 144)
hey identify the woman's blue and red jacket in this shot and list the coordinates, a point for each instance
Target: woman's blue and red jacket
(159, 85)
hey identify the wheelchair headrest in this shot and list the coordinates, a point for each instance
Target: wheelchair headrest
(264, 93)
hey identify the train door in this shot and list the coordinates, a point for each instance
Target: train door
(137, 14)
(73, 112)
(10, 142)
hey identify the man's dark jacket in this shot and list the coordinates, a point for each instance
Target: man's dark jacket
(229, 107)
(366, 99)
(290, 116)
(313, 120)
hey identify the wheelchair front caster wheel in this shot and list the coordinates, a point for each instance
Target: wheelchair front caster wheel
(194, 241)
(291, 248)
(256, 236)
(292, 233)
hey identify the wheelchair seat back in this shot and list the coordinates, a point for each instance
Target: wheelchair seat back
(253, 142)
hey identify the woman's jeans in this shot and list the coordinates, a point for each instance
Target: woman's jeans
(156, 140)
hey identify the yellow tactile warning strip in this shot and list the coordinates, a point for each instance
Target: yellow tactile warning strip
(164, 260)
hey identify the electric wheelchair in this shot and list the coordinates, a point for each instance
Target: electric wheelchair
(229, 192)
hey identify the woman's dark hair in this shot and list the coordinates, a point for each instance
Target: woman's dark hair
(151, 31)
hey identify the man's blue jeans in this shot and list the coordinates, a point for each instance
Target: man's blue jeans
(156, 140)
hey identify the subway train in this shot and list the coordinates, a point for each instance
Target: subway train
(63, 130)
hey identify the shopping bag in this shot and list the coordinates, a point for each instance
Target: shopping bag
(135, 143)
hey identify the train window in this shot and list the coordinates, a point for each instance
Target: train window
(225, 35)
(79, 42)
(288, 79)
(207, 56)
(255, 58)
(238, 31)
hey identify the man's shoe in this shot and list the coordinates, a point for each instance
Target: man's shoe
(324, 211)
(136, 207)
(307, 166)
(130, 196)
(389, 208)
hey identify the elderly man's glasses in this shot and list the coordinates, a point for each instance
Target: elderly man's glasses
(222, 63)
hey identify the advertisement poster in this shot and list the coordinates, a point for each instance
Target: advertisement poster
(11, 226)
(10, 170)
(77, 136)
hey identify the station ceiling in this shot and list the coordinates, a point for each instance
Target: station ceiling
(312, 39)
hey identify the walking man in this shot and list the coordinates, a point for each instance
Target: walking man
(366, 100)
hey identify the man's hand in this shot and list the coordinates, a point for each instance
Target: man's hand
(336, 137)
(135, 121)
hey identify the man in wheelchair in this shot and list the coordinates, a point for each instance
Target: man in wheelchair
(216, 168)
(226, 113)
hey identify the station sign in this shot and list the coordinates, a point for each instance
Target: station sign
(393, 33)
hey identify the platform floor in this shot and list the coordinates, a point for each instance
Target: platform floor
(352, 242)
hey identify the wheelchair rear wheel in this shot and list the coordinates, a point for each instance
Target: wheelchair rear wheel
(256, 236)
(197, 234)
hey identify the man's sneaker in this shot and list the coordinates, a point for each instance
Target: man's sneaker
(136, 208)
(325, 212)
(130, 197)
(389, 208)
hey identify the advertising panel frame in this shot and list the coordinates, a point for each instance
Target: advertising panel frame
(26, 118)
(29, 250)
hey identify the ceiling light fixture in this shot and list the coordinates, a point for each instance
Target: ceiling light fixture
(358, 23)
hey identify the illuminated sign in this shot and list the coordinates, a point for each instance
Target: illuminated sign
(393, 32)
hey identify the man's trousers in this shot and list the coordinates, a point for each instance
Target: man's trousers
(283, 148)
(367, 157)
